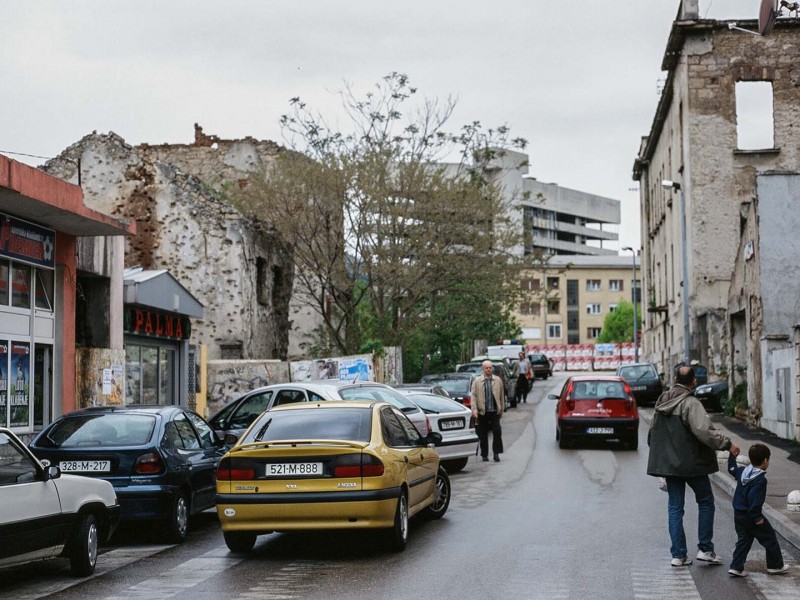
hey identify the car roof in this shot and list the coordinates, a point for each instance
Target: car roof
(638, 364)
(131, 408)
(454, 375)
(328, 405)
(596, 378)
(305, 385)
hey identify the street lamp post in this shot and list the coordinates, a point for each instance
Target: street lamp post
(675, 186)
(635, 318)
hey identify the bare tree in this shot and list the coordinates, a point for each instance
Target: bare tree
(379, 223)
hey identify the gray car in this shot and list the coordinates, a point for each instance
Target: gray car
(239, 414)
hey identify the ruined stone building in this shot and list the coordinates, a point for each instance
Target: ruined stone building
(738, 238)
(238, 270)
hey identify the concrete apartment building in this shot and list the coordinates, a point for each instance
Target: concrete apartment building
(737, 188)
(556, 220)
(570, 297)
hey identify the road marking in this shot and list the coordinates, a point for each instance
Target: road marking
(664, 583)
(290, 582)
(186, 575)
(771, 587)
(106, 562)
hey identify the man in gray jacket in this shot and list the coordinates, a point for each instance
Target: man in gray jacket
(683, 444)
(488, 403)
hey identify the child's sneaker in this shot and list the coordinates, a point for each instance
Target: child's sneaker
(681, 562)
(781, 571)
(709, 557)
(736, 573)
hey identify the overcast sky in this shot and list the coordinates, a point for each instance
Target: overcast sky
(578, 80)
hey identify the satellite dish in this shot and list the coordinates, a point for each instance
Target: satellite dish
(767, 15)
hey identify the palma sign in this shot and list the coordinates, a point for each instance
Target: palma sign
(156, 323)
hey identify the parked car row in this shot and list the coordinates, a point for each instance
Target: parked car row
(320, 455)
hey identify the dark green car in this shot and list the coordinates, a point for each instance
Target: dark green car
(644, 381)
(542, 367)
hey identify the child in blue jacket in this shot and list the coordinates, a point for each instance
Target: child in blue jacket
(748, 501)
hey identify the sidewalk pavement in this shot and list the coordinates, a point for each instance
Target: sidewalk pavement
(783, 475)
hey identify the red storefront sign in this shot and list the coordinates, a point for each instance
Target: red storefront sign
(148, 321)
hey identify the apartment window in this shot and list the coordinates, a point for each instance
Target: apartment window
(554, 330)
(529, 285)
(529, 308)
(593, 333)
(592, 309)
(593, 285)
(612, 307)
(552, 283)
(615, 285)
(754, 118)
(553, 306)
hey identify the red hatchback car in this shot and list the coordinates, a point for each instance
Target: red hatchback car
(597, 407)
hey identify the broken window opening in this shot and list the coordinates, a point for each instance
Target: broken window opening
(754, 117)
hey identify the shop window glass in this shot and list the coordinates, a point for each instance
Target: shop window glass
(149, 366)
(166, 380)
(20, 286)
(44, 289)
(133, 374)
(4, 273)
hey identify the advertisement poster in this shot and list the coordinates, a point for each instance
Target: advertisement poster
(327, 369)
(3, 383)
(354, 369)
(20, 376)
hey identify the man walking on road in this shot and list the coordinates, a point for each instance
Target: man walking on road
(488, 402)
(524, 373)
(682, 443)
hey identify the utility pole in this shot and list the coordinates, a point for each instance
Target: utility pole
(635, 317)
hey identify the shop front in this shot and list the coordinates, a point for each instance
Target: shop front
(41, 218)
(159, 363)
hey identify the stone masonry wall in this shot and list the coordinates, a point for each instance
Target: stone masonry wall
(185, 226)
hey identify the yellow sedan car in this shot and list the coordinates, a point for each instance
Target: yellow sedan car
(330, 465)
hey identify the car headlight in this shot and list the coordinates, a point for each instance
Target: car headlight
(703, 389)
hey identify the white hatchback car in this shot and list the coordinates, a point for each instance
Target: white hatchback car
(46, 514)
(454, 421)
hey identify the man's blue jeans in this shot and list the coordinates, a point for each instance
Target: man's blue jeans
(676, 488)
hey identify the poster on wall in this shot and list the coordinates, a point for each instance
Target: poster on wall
(20, 375)
(3, 384)
(354, 369)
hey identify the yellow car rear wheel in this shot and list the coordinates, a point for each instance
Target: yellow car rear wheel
(239, 541)
(397, 536)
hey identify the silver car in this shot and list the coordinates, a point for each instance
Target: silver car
(237, 416)
(454, 421)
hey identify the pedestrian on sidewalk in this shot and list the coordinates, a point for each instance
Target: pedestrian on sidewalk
(748, 503)
(488, 402)
(523, 371)
(682, 444)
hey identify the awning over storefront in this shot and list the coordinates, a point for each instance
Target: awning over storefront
(158, 289)
(36, 196)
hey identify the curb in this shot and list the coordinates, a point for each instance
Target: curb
(784, 526)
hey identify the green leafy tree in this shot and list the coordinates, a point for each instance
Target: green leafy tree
(618, 325)
(381, 230)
